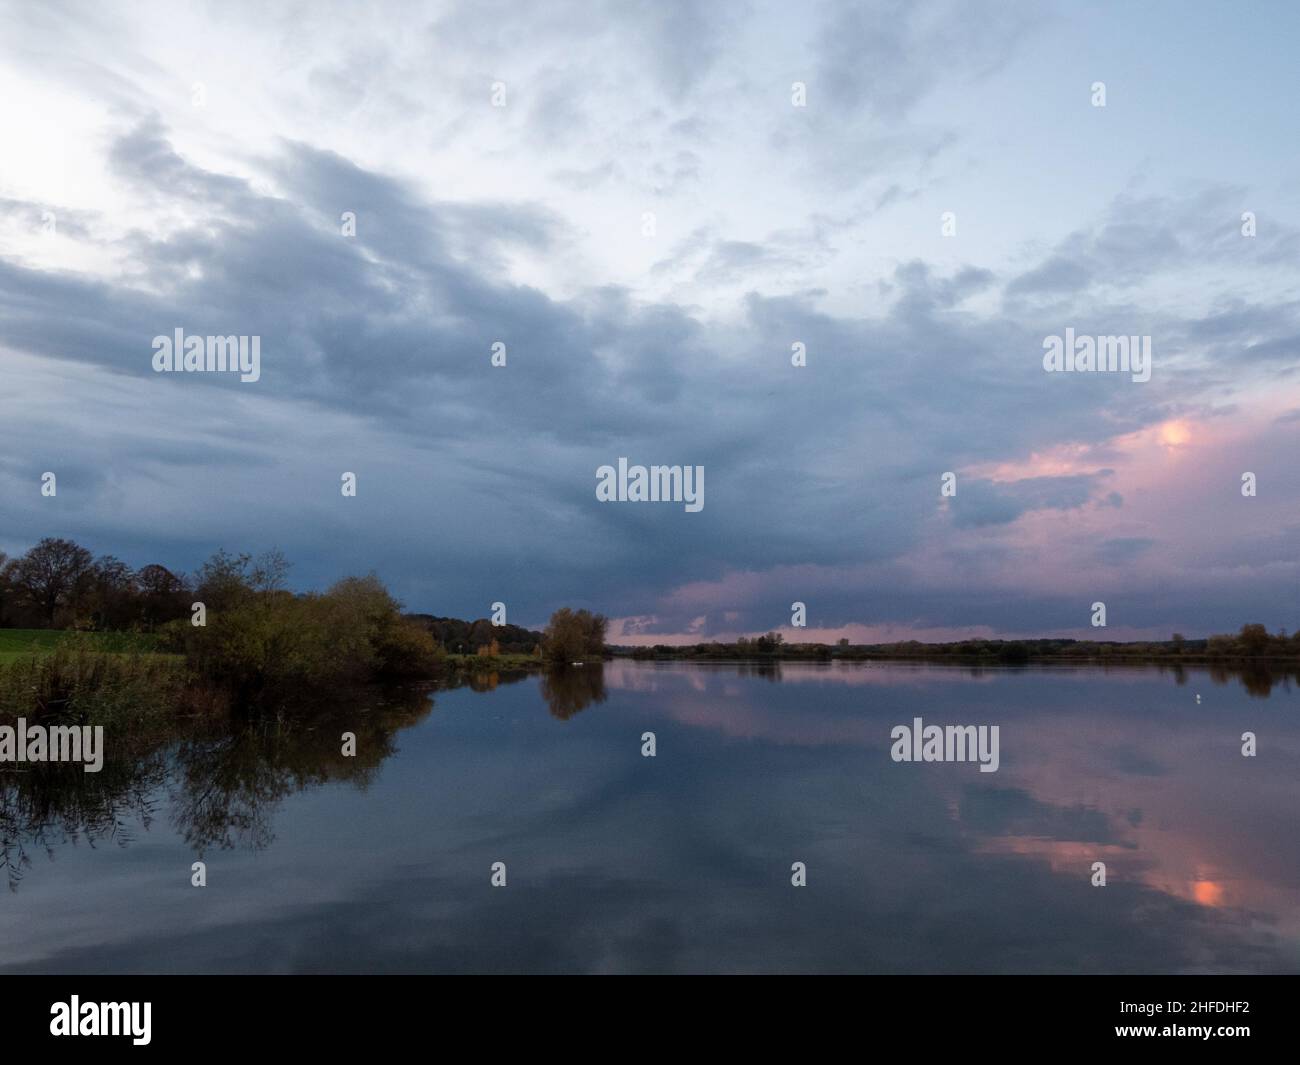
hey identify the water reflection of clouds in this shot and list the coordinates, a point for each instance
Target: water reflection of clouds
(1165, 799)
(681, 863)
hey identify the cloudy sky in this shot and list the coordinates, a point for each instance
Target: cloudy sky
(628, 197)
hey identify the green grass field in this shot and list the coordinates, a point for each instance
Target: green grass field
(16, 643)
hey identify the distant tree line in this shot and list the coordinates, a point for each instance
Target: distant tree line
(1253, 641)
(570, 636)
(469, 637)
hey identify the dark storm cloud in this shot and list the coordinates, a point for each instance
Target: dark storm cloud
(488, 475)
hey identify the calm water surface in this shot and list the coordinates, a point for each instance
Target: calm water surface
(621, 863)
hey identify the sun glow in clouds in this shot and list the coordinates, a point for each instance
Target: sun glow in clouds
(1176, 433)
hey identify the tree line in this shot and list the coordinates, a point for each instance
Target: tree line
(59, 584)
(470, 637)
(1253, 641)
(236, 621)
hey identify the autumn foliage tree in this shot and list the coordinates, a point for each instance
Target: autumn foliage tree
(572, 636)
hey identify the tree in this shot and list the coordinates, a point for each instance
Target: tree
(162, 595)
(6, 582)
(223, 581)
(112, 595)
(1254, 639)
(51, 575)
(571, 636)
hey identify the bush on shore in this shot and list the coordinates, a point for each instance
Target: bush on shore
(263, 637)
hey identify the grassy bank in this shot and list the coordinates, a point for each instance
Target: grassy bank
(75, 680)
(126, 681)
(21, 643)
(232, 636)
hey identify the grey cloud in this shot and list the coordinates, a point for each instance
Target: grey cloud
(837, 462)
(1119, 549)
(882, 58)
(1142, 237)
(980, 502)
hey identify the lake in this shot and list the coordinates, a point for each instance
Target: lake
(682, 862)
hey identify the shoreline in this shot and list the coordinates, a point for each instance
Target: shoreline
(969, 658)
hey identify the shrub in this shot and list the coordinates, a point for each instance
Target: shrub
(271, 639)
(408, 650)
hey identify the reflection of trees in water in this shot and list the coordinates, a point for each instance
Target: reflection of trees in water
(225, 778)
(767, 670)
(48, 804)
(571, 689)
(1258, 678)
(228, 784)
(484, 680)
(225, 775)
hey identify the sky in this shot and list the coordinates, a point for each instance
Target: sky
(649, 205)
